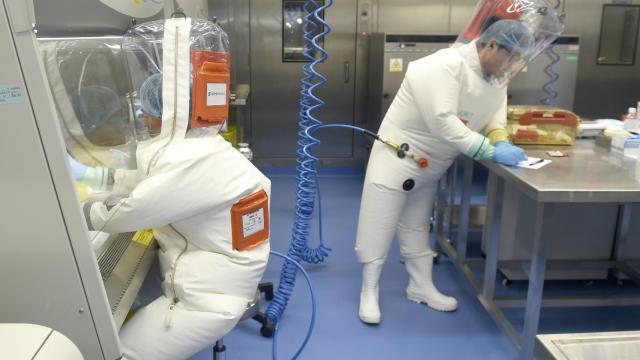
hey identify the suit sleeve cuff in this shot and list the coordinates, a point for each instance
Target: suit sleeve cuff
(481, 149)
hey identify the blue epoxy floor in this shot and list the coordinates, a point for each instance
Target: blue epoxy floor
(408, 330)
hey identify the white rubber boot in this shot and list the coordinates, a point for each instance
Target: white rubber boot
(369, 311)
(421, 288)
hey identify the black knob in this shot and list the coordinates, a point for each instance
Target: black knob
(386, 96)
(408, 184)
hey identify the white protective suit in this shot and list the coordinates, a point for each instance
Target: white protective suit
(187, 189)
(442, 105)
(186, 199)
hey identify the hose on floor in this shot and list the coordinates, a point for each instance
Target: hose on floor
(313, 309)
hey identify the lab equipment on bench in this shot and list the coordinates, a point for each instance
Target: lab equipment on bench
(536, 125)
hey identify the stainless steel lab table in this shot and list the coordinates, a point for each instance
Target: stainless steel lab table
(590, 174)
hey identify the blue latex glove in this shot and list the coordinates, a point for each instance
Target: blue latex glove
(508, 154)
(78, 169)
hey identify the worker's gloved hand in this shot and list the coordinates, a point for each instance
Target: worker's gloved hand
(78, 169)
(508, 154)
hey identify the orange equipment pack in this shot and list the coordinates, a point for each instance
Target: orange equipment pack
(211, 88)
(250, 221)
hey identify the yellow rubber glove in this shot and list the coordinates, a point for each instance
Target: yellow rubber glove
(83, 191)
(497, 134)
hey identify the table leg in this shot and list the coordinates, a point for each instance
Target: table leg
(465, 209)
(440, 207)
(453, 183)
(536, 285)
(491, 235)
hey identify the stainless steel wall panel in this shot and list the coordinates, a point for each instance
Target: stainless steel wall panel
(375, 66)
(234, 17)
(413, 16)
(366, 15)
(384, 83)
(225, 15)
(220, 12)
(275, 84)
(601, 90)
(239, 13)
(527, 87)
(461, 12)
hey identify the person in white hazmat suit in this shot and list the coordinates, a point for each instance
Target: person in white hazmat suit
(207, 204)
(451, 102)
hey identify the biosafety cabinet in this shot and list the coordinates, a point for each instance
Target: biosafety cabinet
(55, 273)
(390, 54)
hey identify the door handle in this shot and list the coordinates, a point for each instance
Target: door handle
(347, 72)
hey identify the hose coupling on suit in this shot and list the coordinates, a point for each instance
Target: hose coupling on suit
(403, 150)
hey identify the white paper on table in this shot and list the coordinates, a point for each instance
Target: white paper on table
(533, 163)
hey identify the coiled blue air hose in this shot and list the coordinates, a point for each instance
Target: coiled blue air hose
(315, 29)
(274, 350)
(550, 87)
(308, 187)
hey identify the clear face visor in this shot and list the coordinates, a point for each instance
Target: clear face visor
(208, 77)
(509, 34)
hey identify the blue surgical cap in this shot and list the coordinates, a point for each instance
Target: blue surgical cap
(151, 95)
(510, 34)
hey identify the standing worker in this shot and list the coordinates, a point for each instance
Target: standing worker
(451, 102)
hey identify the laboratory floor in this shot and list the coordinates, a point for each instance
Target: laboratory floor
(408, 330)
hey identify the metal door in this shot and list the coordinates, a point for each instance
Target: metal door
(275, 83)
